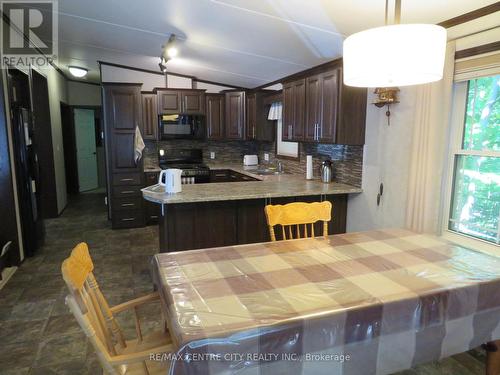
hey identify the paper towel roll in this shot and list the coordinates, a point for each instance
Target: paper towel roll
(309, 167)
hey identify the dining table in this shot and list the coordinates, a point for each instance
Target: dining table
(373, 302)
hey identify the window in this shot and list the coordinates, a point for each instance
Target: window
(475, 190)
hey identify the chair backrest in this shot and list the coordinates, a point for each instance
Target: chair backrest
(297, 219)
(77, 273)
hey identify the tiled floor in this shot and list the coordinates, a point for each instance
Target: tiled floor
(37, 336)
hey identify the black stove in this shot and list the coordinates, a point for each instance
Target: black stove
(190, 161)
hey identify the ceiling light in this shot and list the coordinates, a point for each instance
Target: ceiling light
(77, 71)
(395, 55)
(172, 52)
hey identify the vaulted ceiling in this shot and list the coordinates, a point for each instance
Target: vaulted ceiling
(241, 42)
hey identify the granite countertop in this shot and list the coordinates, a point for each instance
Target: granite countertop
(269, 186)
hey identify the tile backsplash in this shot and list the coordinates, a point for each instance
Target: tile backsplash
(347, 160)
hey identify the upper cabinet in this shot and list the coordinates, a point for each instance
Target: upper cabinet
(320, 108)
(215, 115)
(174, 101)
(235, 115)
(294, 102)
(149, 116)
(258, 127)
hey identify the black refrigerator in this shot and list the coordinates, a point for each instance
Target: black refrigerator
(27, 177)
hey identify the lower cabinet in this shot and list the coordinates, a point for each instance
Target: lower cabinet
(126, 200)
(189, 226)
(151, 210)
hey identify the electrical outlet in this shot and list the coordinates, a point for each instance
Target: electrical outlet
(266, 157)
(212, 155)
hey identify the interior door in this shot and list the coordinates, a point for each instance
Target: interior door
(86, 149)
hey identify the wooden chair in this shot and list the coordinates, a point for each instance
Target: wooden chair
(117, 355)
(294, 217)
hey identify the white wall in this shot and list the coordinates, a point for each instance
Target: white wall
(179, 82)
(84, 94)
(150, 80)
(115, 74)
(58, 92)
(386, 160)
(211, 88)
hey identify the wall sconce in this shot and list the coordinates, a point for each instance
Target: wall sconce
(385, 97)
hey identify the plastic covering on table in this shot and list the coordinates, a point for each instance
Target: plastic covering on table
(359, 303)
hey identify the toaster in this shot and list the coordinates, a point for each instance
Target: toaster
(250, 160)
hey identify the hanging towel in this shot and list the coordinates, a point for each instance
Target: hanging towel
(275, 111)
(138, 145)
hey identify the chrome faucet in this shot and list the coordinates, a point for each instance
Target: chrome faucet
(279, 166)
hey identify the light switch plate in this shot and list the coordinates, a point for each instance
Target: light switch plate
(212, 155)
(266, 157)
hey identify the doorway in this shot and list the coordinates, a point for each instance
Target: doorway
(86, 149)
(83, 149)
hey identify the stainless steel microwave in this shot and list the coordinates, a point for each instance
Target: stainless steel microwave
(182, 126)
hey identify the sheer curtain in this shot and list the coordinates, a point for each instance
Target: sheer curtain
(430, 143)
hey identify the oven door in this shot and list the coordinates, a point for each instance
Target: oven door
(181, 127)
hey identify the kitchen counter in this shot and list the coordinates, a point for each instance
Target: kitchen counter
(269, 186)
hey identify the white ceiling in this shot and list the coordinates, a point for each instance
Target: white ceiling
(241, 42)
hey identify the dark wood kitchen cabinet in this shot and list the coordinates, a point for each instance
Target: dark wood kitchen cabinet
(169, 102)
(258, 127)
(333, 112)
(313, 107)
(149, 116)
(193, 102)
(174, 101)
(189, 226)
(152, 210)
(215, 115)
(122, 107)
(235, 114)
(294, 102)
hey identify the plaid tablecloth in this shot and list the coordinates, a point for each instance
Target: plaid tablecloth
(359, 303)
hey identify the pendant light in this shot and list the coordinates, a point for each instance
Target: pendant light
(395, 55)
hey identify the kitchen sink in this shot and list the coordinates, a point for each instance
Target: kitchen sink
(267, 172)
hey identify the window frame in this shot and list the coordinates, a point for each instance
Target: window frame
(457, 129)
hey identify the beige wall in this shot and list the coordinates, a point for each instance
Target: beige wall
(58, 92)
(84, 94)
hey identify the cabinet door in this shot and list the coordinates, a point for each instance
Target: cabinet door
(351, 121)
(122, 111)
(192, 102)
(251, 116)
(329, 106)
(313, 107)
(215, 116)
(235, 115)
(299, 99)
(288, 112)
(122, 108)
(169, 102)
(149, 117)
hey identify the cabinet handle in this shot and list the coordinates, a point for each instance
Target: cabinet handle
(129, 219)
(127, 192)
(127, 179)
(315, 131)
(290, 127)
(128, 204)
(253, 131)
(320, 127)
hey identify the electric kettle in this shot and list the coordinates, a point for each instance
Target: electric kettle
(326, 171)
(171, 179)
